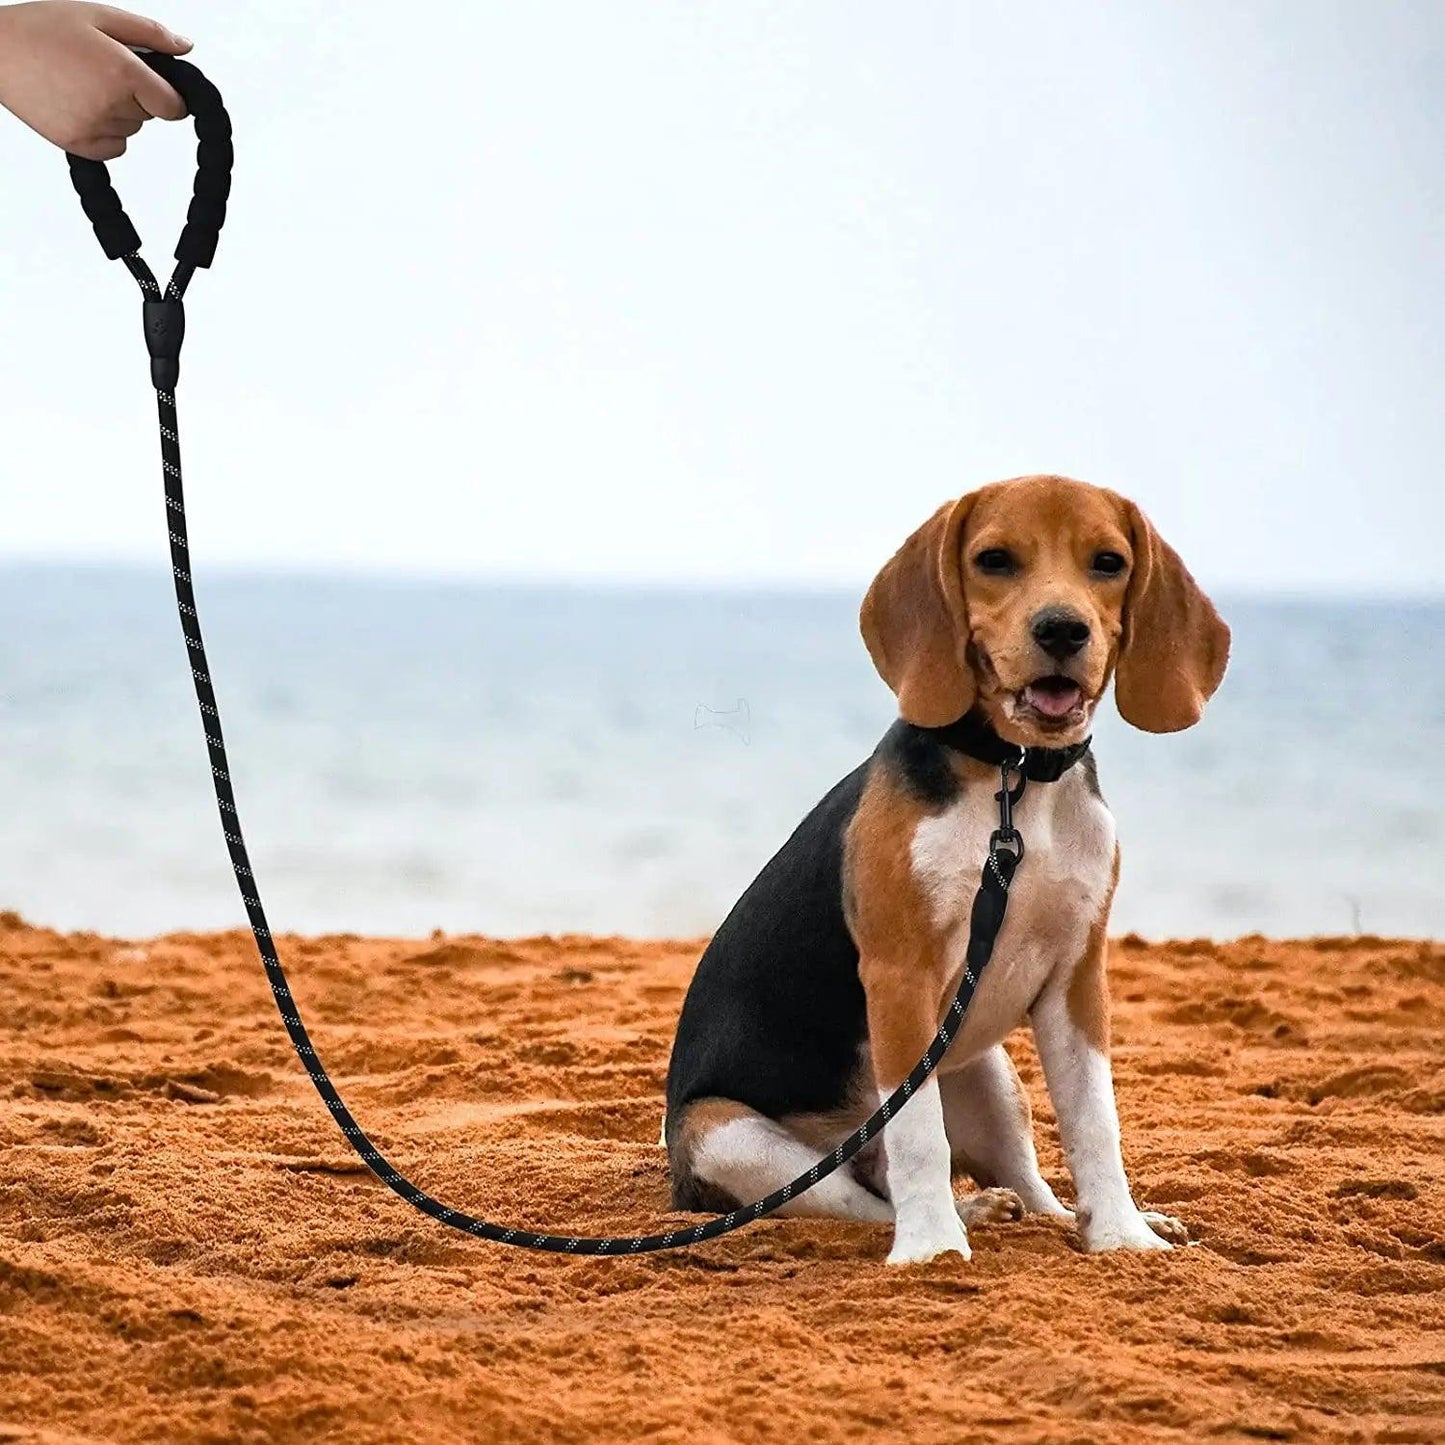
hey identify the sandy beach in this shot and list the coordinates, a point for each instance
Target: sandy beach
(188, 1252)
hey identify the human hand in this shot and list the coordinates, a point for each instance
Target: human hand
(67, 72)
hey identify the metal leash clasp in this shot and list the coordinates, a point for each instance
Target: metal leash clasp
(1006, 836)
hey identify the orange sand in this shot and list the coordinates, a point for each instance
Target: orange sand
(187, 1252)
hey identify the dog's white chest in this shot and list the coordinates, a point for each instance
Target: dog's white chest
(1058, 893)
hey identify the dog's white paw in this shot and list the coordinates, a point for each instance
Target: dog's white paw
(990, 1206)
(1132, 1231)
(917, 1241)
(1166, 1226)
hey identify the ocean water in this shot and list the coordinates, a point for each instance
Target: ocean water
(419, 755)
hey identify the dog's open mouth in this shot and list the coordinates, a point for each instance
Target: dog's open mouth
(1054, 699)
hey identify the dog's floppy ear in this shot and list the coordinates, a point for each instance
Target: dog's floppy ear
(915, 624)
(1175, 645)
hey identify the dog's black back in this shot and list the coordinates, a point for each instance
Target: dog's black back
(778, 985)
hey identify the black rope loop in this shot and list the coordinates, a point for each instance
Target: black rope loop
(214, 157)
(165, 324)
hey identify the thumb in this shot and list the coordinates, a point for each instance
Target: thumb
(137, 30)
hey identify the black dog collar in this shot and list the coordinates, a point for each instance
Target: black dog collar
(973, 735)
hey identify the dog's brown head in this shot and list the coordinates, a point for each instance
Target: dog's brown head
(1025, 597)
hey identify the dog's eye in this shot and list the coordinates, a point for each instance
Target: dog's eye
(996, 561)
(1108, 564)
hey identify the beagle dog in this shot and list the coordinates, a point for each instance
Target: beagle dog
(1004, 617)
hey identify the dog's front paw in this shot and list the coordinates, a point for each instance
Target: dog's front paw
(1131, 1231)
(1166, 1226)
(990, 1206)
(916, 1241)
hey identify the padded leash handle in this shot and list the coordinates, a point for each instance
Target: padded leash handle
(214, 157)
(164, 316)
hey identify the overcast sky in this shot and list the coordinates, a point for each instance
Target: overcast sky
(742, 291)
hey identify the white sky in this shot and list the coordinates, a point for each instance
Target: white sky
(741, 291)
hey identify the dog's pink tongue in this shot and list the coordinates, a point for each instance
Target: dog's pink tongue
(1052, 702)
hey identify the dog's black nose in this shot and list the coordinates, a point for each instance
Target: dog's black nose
(1060, 632)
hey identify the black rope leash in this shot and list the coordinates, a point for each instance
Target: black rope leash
(164, 318)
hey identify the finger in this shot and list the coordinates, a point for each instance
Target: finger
(101, 148)
(126, 112)
(137, 30)
(118, 127)
(156, 98)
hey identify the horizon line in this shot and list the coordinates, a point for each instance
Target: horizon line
(405, 575)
